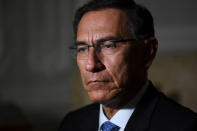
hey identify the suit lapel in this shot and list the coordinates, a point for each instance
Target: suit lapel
(141, 117)
(91, 120)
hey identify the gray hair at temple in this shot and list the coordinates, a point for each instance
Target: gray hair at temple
(140, 20)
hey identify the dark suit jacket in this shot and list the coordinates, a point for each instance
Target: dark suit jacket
(155, 112)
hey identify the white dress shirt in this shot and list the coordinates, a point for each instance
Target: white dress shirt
(123, 115)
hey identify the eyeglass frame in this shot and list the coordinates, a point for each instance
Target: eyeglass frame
(99, 42)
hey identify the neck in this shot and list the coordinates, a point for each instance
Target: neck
(109, 112)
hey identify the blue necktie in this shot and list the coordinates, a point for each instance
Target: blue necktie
(108, 126)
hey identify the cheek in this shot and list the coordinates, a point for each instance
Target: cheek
(125, 68)
(118, 69)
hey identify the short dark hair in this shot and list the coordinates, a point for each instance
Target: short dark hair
(140, 19)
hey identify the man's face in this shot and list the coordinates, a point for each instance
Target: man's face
(106, 77)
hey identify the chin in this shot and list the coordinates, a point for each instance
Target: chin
(98, 96)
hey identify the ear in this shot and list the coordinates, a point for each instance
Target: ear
(151, 46)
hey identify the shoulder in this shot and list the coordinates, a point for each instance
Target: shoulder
(80, 116)
(171, 114)
(84, 111)
(170, 105)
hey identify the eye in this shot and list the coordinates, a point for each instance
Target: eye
(108, 44)
(81, 49)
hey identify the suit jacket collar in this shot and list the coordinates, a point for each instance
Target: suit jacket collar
(141, 117)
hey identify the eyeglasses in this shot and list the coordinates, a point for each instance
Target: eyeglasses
(102, 48)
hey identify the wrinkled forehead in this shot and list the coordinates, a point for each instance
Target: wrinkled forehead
(96, 25)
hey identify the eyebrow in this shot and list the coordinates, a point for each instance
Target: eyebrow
(97, 41)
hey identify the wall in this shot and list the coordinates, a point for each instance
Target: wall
(34, 63)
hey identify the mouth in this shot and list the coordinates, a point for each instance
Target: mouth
(96, 81)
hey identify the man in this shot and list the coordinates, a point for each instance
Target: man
(116, 45)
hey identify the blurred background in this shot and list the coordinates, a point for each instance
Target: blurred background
(40, 82)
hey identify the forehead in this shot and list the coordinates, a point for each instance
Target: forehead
(103, 23)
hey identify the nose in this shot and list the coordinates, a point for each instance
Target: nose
(94, 63)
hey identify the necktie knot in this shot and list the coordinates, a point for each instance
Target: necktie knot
(108, 126)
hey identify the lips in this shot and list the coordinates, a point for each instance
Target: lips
(96, 81)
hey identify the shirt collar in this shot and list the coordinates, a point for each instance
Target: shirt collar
(122, 116)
